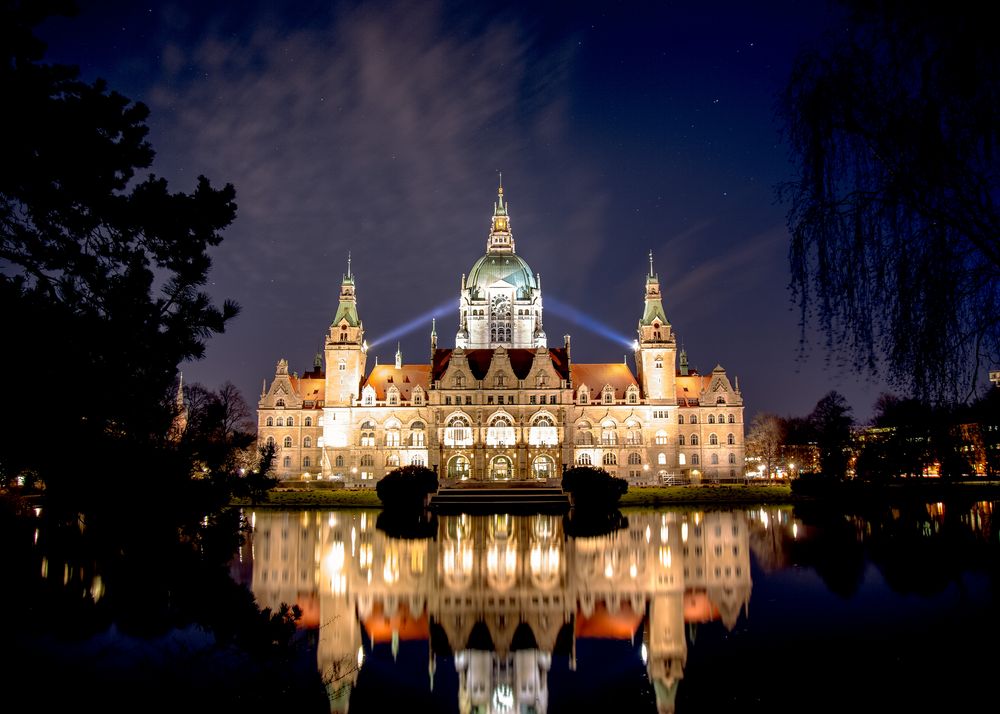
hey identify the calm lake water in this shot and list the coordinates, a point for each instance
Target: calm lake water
(761, 609)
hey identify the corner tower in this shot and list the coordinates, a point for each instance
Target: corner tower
(501, 299)
(346, 351)
(656, 348)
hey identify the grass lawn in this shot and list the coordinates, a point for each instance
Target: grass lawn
(317, 498)
(656, 495)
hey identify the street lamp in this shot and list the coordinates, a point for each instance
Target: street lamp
(791, 470)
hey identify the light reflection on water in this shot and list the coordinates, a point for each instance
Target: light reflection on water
(506, 613)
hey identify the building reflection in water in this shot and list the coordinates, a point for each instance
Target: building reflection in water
(500, 594)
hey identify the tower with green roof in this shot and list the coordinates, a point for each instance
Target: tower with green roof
(656, 347)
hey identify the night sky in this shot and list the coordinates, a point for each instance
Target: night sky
(380, 129)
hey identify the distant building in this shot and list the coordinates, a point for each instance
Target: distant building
(502, 404)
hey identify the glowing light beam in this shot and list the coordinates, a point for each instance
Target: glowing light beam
(586, 321)
(421, 321)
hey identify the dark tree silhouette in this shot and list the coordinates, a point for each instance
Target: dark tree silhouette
(895, 128)
(102, 269)
(832, 421)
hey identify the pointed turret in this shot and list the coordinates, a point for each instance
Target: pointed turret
(500, 240)
(345, 348)
(434, 337)
(684, 362)
(654, 303)
(399, 357)
(655, 355)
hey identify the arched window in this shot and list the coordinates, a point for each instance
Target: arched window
(608, 395)
(584, 395)
(661, 458)
(633, 397)
(288, 442)
(585, 438)
(731, 439)
(543, 467)
(309, 421)
(307, 442)
(722, 418)
(417, 434)
(287, 462)
(368, 398)
(458, 467)
(417, 460)
(367, 460)
(713, 440)
(694, 459)
(715, 459)
(393, 396)
(368, 434)
(658, 363)
(732, 458)
(694, 440)
(720, 400)
(339, 461)
(501, 468)
(306, 462)
(543, 431)
(281, 421)
(681, 461)
(392, 435)
(418, 398)
(732, 419)
(634, 459)
(694, 418)
(500, 431)
(280, 403)
(270, 421)
(680, 418)
(711, 418)
(458, 432)
(290, 421)
(661, 437)
(680, 440)
(610, 459)
(392, 461)
(609, 433)
(270, 441)
(583, 460)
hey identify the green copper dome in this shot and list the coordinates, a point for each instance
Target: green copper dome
(507, 267)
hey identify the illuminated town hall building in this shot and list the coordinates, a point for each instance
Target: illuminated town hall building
(502, 404)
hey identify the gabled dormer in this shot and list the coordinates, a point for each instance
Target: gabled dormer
(500, 374)
(543, 374)
(720, 390)
(281, 394)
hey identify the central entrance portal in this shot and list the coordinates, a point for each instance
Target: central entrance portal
(501, 469)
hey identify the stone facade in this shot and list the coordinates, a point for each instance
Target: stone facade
(502, 404)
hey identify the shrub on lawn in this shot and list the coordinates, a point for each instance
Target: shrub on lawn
(406, 487)
(593, 488)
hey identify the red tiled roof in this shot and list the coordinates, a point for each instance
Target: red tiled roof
(311, 389)
(690, 387)
(404, 379)
(595, 376)
(520, 361)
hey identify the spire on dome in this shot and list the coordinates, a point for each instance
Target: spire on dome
(399, 357)
(651, 273)
(500, 240)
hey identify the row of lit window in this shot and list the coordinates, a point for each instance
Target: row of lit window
(287, 421)
(611, 459)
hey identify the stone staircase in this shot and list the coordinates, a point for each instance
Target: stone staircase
(504, 497)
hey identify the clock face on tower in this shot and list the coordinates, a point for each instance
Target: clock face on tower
(501, 306)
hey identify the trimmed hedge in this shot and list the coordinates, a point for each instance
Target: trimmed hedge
(593, 488)
(406, 487)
